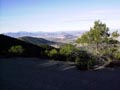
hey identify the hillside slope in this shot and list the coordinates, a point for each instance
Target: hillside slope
(36, 41)
(30, 50)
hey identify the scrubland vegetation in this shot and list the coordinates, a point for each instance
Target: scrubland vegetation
(97, 47)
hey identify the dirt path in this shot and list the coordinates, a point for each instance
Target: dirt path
(35, 74)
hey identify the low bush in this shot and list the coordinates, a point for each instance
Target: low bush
(53, 54)
(117, 55)
(85, 61)
(67, 51)
(16, 50)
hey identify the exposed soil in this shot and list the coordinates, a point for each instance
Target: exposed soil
(36, 74)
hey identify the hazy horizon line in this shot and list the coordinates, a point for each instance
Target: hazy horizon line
(115, 29)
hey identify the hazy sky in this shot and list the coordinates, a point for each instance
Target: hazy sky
(57, 15)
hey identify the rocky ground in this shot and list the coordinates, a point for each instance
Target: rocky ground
(36, 74)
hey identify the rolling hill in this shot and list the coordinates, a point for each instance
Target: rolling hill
(59, 37)
(30, 50)
(54, 42)
(36, 41)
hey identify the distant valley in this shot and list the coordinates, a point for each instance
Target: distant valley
(61, 36)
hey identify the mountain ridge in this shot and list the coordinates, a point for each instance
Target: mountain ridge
(43, 34)
(31, 50)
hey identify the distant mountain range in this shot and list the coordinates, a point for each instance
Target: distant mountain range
(53, 37)
(62, 34)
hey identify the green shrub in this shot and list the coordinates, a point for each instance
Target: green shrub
(53, 54)
(66, 51)
(46, 52)
(16, 50)
(85, 61)
(117, 55)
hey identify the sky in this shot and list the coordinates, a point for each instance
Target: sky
(57, 15)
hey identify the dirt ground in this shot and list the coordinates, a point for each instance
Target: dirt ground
(36, 74)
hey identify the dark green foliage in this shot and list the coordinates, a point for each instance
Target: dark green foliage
(53, 54)
(100, 37)
(84, 38)
(101, 43)
(111, 50)
(97, 34)
(67, 49)
(47, 47)
(113, 41)
(66, 52)
(117, 55)
(115, 34)
(16, 50)
(84, 61)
